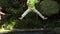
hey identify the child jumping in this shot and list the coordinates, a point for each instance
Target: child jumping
(31, 7)
(1, 13)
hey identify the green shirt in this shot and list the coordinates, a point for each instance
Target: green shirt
(32, 2)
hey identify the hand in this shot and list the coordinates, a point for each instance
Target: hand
(29, 5)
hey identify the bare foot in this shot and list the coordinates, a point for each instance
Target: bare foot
(45, 18)
(20, 18)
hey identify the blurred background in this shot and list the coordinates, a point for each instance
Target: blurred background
(15, 8)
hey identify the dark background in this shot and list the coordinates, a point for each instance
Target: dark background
(15, 8)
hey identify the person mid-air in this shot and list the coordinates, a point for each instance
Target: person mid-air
(31, 8)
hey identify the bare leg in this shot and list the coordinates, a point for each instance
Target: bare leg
(36, 11)
(24, 14)
(2, 13)
(0, 17)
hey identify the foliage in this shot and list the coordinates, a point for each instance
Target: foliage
(14, 8)
(49, 7)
